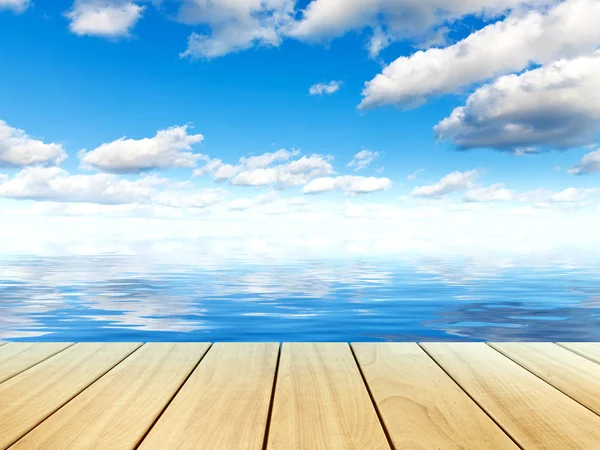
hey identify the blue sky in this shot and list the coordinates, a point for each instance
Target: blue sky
(80, 76)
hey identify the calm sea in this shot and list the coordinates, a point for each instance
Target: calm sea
(112, 298)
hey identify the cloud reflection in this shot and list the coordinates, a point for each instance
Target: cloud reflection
(113, 298)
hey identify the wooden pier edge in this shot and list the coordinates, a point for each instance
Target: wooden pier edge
(325, 395)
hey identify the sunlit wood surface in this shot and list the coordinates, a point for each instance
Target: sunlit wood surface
(300, 396)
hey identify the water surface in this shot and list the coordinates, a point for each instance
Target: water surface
(117, 298)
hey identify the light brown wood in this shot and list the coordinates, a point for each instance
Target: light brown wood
(321, 401)
(577, 377)
(31, 396)
(533, 412)
(19, 356)
(418, 401)
(589, 350)
(224, 404)
(116, 411)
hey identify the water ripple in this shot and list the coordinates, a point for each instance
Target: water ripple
(113, 298)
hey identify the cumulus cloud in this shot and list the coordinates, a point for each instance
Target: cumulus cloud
(294, 173)
(223, 172)
(362, 159)
(350, 184)
(494, 193)
(569, 29)
(390, 20)
(103, 18)
(453, 182)
(545, 196)
(234, 25)
(17, 149)
(170, 148)
(56, 184)
(266, 159)
(589, 163)
(557, 105)
(257, 170)
(17, 6)
(325, 88)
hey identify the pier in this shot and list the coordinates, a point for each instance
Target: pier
(364, 396)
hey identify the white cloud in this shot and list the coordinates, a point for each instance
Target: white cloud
(494, 193)
(104, 18)
(347, 183)
(362, 159)
(234, 25)
(522, 151)
(413, 176)
(168, 149)
(17, 6)
(294, 173)
(556, 105)
(544, 196)
(270, 203)
(453, 182)
(329, 230)
(588, 164)
(266, 159)
(56, 184)
(571, 195)
(256, 170)
(222, 171)
(390, 20)
(325, 88)
(17, 149)
(570, 29)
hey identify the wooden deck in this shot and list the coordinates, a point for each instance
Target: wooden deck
(363, 396)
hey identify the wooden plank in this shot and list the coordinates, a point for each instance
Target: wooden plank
(532, 412)
(31, 396)
(418, 401)
(577, 377)
(321, 401)
(19, 356)
(117, 410)
(589, 350)
(225, 402)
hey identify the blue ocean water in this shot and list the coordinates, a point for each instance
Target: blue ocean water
(121, 298)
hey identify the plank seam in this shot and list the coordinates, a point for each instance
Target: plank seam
(545, 381)
(373, 402)
(39, 362)
(577, 352)
(272, 400)
(76, 394)
(172, 398)
(511, 437)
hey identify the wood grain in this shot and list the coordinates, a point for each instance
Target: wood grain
(321, 401)
(418, 401)
(19, 356)
(224, 404)
(533, 412)
(116, 411)
(577, 377)
(589, 350)
(31, 396)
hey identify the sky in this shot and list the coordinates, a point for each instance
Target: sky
(282, 128)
